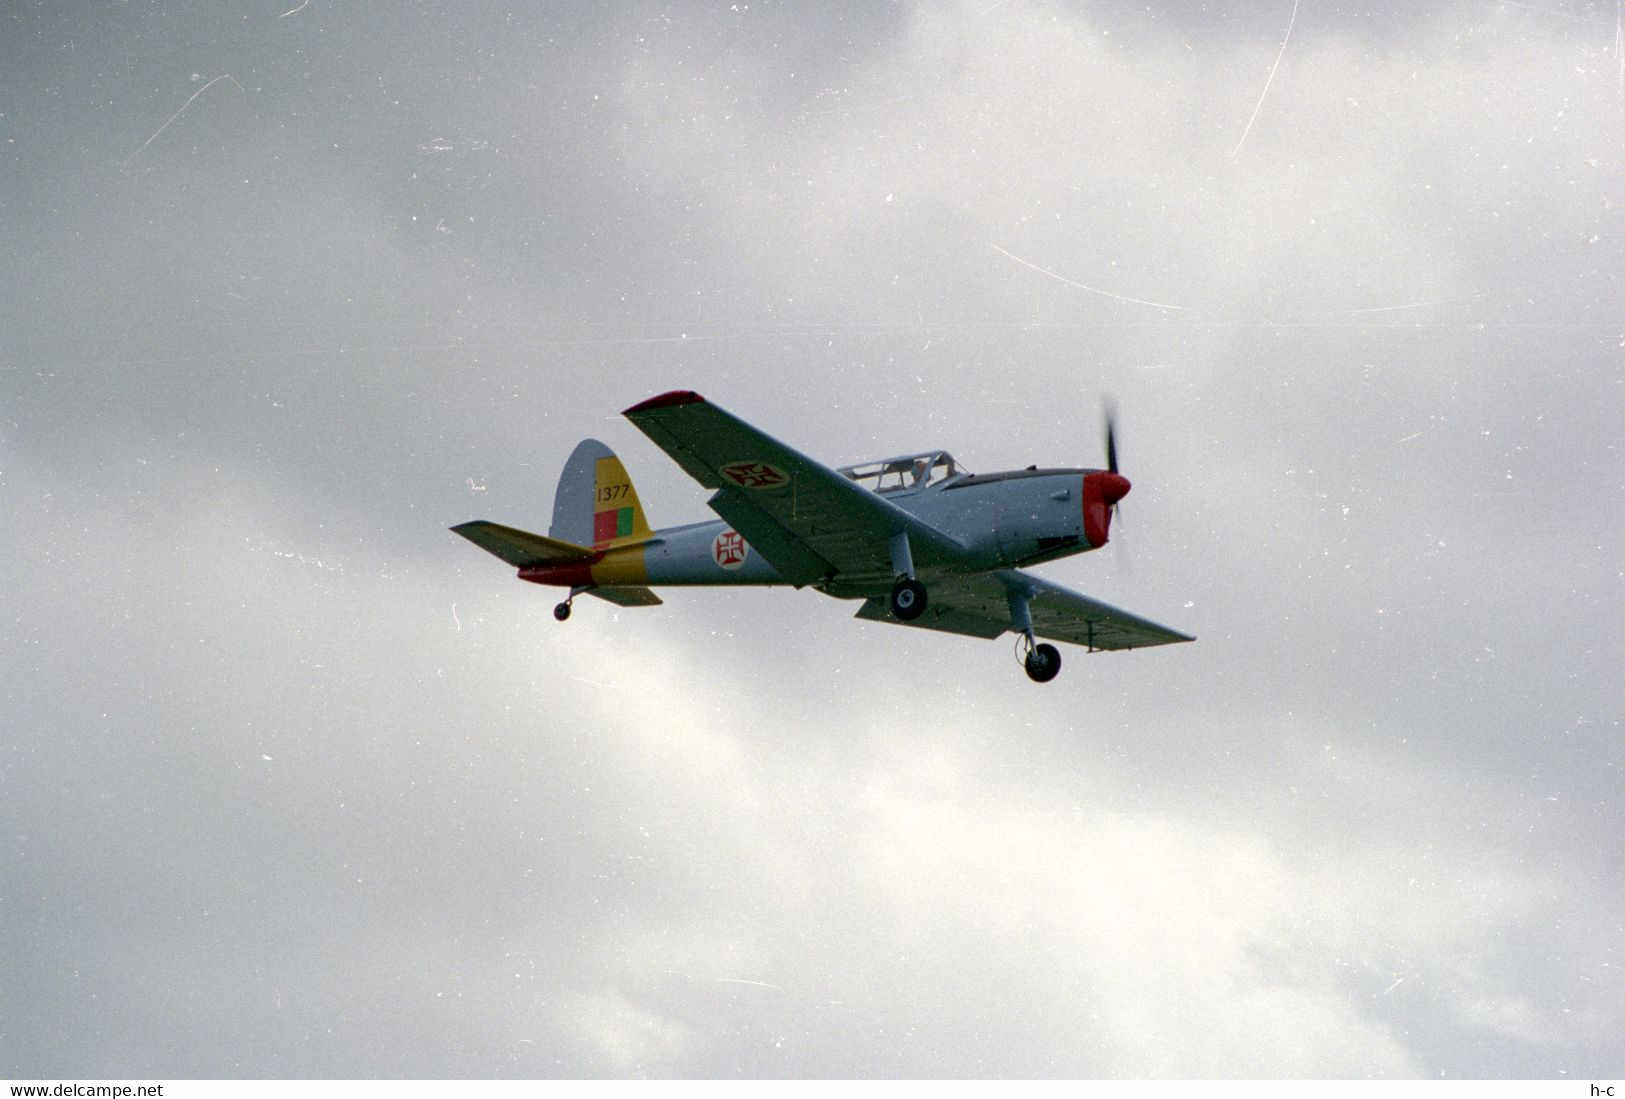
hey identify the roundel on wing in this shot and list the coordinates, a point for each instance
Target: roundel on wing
(750, 474)
(729, 549)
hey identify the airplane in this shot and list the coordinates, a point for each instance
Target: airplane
(920, 539)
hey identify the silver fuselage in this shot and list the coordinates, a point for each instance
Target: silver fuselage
(1002, 520)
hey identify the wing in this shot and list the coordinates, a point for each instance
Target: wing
(807, 520)
(979, 606)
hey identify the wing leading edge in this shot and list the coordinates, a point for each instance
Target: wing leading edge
(978, 606)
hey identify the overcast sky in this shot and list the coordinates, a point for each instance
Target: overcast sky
(296, 783)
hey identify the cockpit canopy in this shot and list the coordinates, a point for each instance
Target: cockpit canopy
(912, 471)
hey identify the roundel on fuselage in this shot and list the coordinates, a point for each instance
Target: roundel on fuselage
(729, 550)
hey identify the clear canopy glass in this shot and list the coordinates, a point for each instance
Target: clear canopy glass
(912, 471)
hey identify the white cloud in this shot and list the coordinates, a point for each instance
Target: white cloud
(623, 1038)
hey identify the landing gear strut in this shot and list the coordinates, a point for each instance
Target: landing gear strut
(1043, 661)
(908, 594)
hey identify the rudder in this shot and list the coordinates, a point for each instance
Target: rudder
(596, 504)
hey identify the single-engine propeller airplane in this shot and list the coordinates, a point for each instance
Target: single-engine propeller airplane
(919, 539)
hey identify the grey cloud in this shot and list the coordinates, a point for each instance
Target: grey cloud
(300, 785)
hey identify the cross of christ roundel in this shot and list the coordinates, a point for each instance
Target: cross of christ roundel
(750, 474)
(728, 550)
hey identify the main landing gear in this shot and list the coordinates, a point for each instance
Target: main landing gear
(908, 599)
(1043, 663)
(908, 594)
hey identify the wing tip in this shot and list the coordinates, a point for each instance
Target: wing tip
(673, 399)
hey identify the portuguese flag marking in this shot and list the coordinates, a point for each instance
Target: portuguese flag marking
(610, 525)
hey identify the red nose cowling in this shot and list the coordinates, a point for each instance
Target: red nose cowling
(1101, 491)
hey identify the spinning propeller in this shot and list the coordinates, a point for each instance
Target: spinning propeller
(1103, 489)
(1109, 416)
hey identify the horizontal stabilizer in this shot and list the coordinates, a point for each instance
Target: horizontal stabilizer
(627, 597)
(520, 548)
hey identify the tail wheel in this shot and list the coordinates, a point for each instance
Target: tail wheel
(1043, 663)
(562, 611)
(908, 599)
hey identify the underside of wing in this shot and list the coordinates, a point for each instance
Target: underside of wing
(979, 606)
(805, 518)
(1062, 614)
(950, 612)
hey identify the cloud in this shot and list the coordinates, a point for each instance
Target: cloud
(302, 785)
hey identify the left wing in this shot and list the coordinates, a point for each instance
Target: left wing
(807, 520)
(979, 606)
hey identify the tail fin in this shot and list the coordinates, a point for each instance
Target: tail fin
(596, 504)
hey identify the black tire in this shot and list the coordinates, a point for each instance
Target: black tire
(1043, 663)
(908, 599)
(562, 611)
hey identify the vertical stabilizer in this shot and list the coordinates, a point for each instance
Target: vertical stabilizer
(596, 504)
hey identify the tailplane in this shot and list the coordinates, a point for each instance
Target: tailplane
(596, 542)
(596, 504)
(520, 548)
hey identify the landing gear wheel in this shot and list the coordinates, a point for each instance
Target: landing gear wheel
(908, 599)
(1043, 663)
(562, 611)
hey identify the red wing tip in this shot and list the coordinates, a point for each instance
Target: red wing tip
(666, 400)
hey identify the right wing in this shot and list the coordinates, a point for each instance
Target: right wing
(979, 606)
(807, 520)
